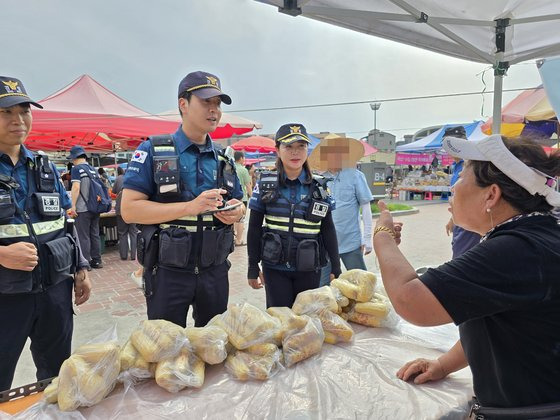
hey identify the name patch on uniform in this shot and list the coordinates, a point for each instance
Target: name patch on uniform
(139, 156)
(50, 203)
(319, 209)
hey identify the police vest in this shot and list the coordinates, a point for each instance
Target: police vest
(292, 230)
(41, 222)
(210, 241)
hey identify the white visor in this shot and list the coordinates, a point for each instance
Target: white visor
(492, 149)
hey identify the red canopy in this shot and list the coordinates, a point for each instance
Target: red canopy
(255, 144)
(88, 114)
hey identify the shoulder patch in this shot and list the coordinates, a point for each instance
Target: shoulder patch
(139, 156)
(256, 189)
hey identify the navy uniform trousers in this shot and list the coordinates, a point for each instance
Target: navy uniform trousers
(174, 290)
(46, 318)
(282, 287)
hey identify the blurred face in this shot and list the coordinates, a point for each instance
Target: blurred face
(336, 157)
(202, 115)
(468, 202)
(293, 156)
(15, 124)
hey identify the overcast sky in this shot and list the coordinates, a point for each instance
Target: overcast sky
(141, 49)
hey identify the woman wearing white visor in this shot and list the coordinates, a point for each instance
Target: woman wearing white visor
(504, 294)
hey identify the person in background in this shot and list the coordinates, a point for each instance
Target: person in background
(104, 177)
(351, 193)
(504, 293)
(87, 222)
(298, 232)
(389, 174)
(67, 177)
(253, 173)
(174, 186)
(462, 240)
(38, 266)
(127, 232)
(247, 186)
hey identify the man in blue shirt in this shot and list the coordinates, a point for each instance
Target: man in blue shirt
(350, 191)
(37, 257)
(174, 186)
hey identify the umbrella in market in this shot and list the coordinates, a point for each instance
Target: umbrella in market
(529, 113)
(255, 144)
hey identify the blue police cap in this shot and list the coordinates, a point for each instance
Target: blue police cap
(204, 85)
(13, 93)
(290, 133)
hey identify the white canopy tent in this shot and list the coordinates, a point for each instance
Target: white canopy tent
(498, 32)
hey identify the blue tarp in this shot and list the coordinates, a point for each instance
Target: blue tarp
(434, 140)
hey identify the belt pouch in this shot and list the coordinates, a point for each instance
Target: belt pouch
(15, 281)
(174, 247)
(224, 246)
(271, 251)
(61, 260)
(307, 255)
(7, 206)
(208, 253)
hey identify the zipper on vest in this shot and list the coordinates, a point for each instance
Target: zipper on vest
(290, 233)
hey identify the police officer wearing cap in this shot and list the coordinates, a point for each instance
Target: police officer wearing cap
(175, 187)
(298, 230)
(39, 258)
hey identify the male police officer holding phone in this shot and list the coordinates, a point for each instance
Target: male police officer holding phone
(173, 186)
(38, 252)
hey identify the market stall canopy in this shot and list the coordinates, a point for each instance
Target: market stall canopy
(255, 144)
(528, 113)
(230, 125)
(86, 113)
(349, 150)
(434, 140)
(498, 32)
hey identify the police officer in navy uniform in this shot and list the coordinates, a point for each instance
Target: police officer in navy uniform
(39, 258)
(174, 187)
(298, 230)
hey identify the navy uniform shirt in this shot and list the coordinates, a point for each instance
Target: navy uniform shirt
(19, 173)
(198, 167)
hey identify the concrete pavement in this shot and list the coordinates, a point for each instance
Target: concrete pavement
(116, 300)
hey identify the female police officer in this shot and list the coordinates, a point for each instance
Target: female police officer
(298, 229)
(37, 257)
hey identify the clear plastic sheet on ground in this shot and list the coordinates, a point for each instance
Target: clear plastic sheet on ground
(350, 380)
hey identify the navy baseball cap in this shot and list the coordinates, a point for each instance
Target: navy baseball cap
(290, 133)
(204, 85)
(13, 93)
(76, 152)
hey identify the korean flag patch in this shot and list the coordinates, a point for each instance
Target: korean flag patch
(139, 156)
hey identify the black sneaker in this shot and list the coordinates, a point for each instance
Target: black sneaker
(96, 264)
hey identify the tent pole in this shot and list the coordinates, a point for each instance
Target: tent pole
(497, 108)
(500, 70)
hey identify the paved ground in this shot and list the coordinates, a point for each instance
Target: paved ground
(116, 301)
